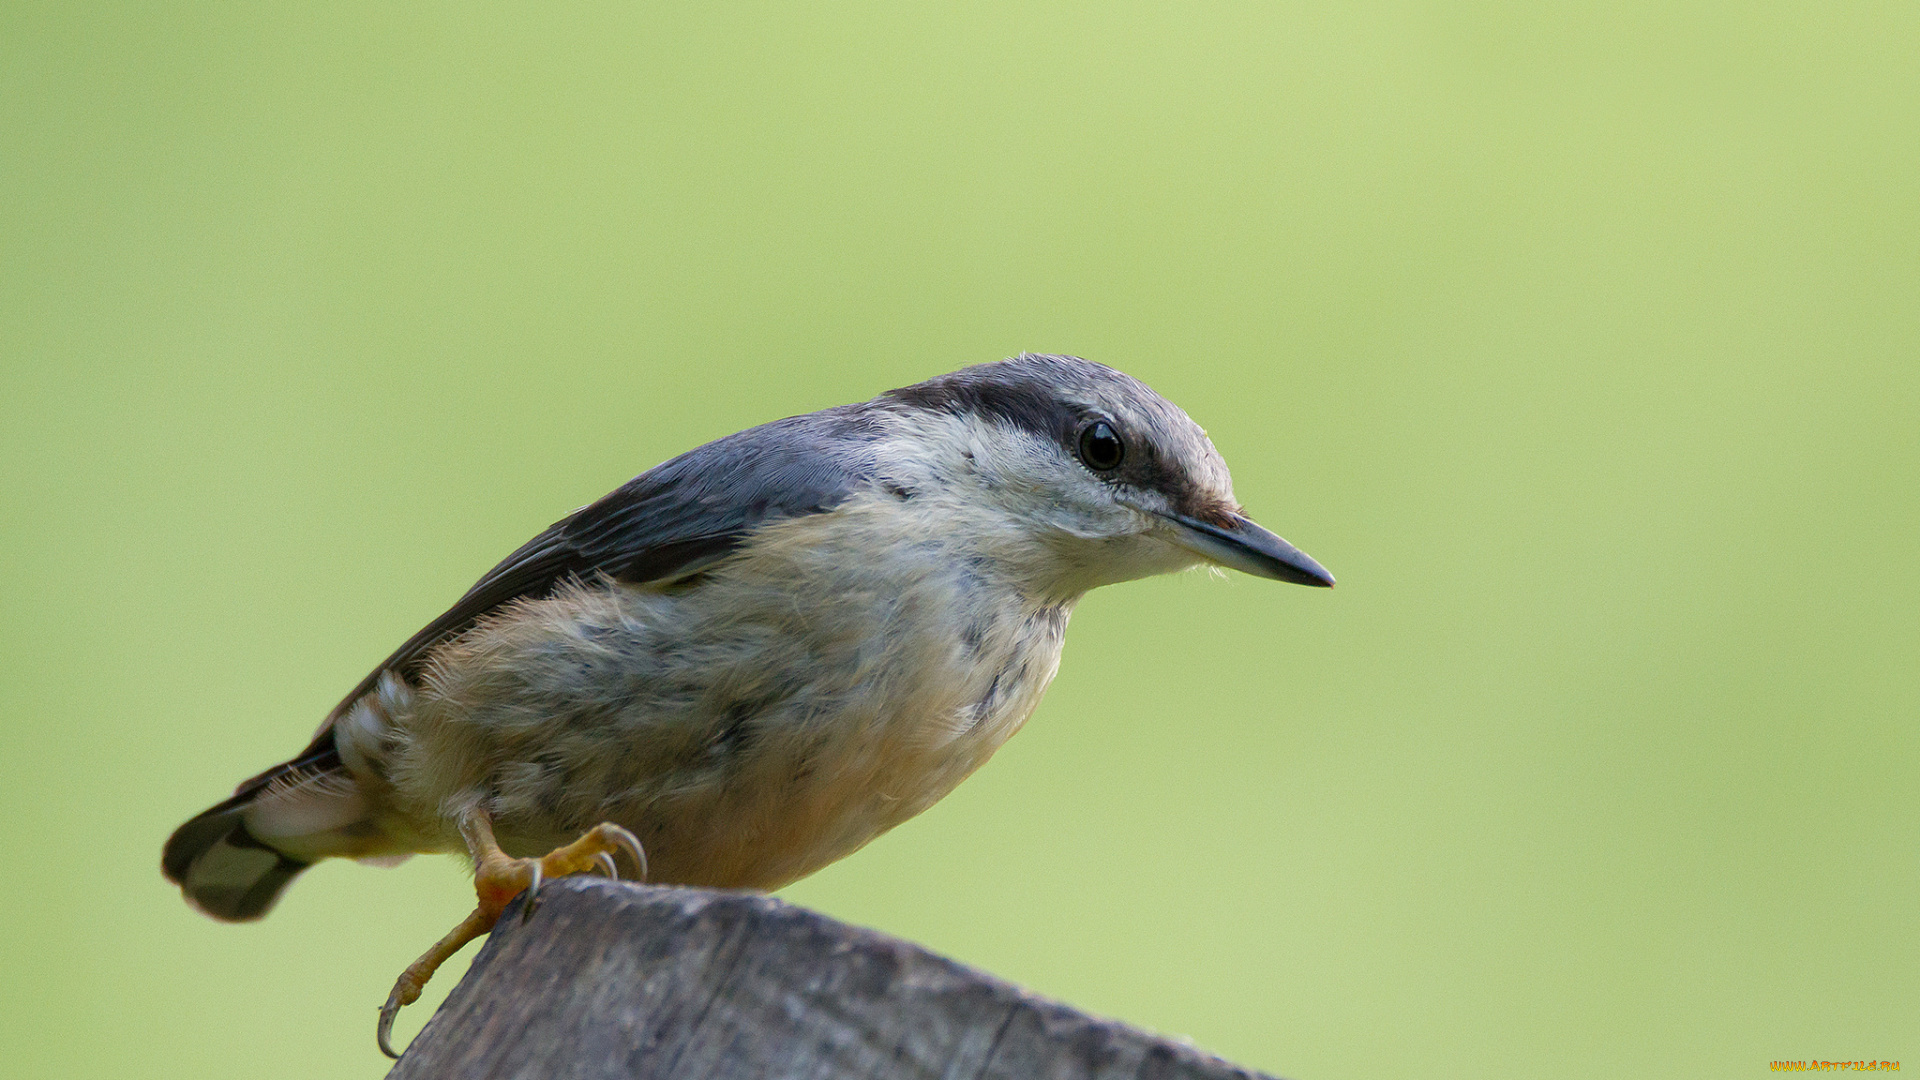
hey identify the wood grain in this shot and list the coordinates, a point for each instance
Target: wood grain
(610, 979)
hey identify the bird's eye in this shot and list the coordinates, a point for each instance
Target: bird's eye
(1100, 446)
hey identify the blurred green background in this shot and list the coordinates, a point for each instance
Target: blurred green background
(1578, 340)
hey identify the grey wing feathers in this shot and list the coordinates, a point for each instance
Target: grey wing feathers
(669, 521)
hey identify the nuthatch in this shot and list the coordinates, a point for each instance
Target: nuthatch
(751, 660)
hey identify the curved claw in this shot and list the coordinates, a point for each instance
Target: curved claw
(533, 892)
(384, 1034)
(631, 845)
(607, 865)
(406, 989)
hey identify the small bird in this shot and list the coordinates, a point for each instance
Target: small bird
(751, 660)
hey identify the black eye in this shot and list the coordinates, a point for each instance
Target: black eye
(1100, 446)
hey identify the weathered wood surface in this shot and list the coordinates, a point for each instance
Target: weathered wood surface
(609, 979)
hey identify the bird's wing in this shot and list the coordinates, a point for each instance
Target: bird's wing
(669, 521)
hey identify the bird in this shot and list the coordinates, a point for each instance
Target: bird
(752, 659)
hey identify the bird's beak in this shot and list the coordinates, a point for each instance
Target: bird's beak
(1242, 545)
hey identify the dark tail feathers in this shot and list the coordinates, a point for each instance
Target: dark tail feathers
(222, 869)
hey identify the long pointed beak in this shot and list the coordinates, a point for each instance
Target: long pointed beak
(1244, 546)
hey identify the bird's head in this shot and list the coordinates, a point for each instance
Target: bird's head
(1083, 474)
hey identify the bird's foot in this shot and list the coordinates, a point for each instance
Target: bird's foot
(497, 879)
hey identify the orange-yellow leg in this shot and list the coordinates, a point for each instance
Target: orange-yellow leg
(497, 879)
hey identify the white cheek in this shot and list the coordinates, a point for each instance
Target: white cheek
(1037, 481)
(1130, 558)
(1027, 504)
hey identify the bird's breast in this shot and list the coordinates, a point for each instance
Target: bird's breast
(906, 675)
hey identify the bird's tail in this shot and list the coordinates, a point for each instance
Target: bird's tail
(232, 860)
(225, 870)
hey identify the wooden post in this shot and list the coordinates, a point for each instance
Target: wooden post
(609, 979)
